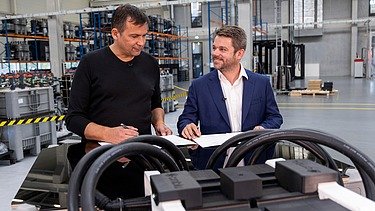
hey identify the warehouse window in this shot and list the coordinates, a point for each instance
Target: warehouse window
(306, 12)
(197, 59)
(372, 7)
(196, 14)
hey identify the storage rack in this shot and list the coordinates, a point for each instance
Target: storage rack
(34, 40)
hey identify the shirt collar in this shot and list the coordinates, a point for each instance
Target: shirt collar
(242, 73)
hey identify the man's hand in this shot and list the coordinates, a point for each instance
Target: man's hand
(113, 135)
(119, 134)
(258, 127)
(191, 131)
(162, 130)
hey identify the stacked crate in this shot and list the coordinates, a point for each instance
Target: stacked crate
(167, 90)
(314, 85)
(28, 103)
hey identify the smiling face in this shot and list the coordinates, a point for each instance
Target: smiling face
(131, 40)
(224, 56)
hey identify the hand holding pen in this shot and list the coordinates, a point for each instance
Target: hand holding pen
(128, 127)
(130, 130)
(115, 135)
(120, 133)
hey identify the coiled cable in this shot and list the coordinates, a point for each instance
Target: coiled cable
(78, 174)
(176, 153)
(233, 142)
(363, 163)
(143, 160)
(107, 158)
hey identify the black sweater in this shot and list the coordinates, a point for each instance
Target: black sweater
(108, 91)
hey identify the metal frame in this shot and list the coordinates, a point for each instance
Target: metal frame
(99, 9)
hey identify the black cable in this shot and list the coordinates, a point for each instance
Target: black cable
(78, 174)
(114, 205)
(127, 149)
(320, 153)
(369, 186)
(257, 152)
(332, 163)
(101, 200)
(155, 163)
(363, 163)
(142, 162)
(232, 142)
(174, 151)
(313, 148)
(147, 163)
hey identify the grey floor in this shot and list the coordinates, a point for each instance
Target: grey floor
(349, 114)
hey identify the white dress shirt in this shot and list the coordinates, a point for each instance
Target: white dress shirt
(233, 98)
(233, 102)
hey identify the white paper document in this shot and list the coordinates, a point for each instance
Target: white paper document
(178, 141)
(203, 141)
(214, 139)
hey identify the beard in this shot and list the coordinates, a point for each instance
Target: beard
(224, 65)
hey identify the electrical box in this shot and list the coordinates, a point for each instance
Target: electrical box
(358, 68)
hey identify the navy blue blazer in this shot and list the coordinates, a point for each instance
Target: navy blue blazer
(206, 105)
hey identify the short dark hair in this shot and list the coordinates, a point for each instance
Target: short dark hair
(237, 34)
(123, 12)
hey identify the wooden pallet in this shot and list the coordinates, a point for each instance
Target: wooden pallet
(296, 93)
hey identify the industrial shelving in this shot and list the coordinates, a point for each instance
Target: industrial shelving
(173, 62)
(34, 63)
(93, 32)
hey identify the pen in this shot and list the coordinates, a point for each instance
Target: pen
(124, 126)
(128, 127)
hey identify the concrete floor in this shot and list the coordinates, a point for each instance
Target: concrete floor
(349, 114)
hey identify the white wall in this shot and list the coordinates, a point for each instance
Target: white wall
(40, 6)
(4, 6)
(30, 6)
(73, 5)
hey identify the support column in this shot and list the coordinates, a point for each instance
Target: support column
(13, 6)
(245, 14)
(232, 12)
(284, 32)
(56, 39)
(285, 9)
(354, 37)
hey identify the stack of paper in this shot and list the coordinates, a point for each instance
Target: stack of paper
(203, 141)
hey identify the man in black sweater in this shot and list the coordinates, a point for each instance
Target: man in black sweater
(114, 86)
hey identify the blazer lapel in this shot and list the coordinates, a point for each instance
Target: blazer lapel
(248, 91)
(217, 96)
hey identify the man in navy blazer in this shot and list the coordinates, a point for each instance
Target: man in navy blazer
(228, 99)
